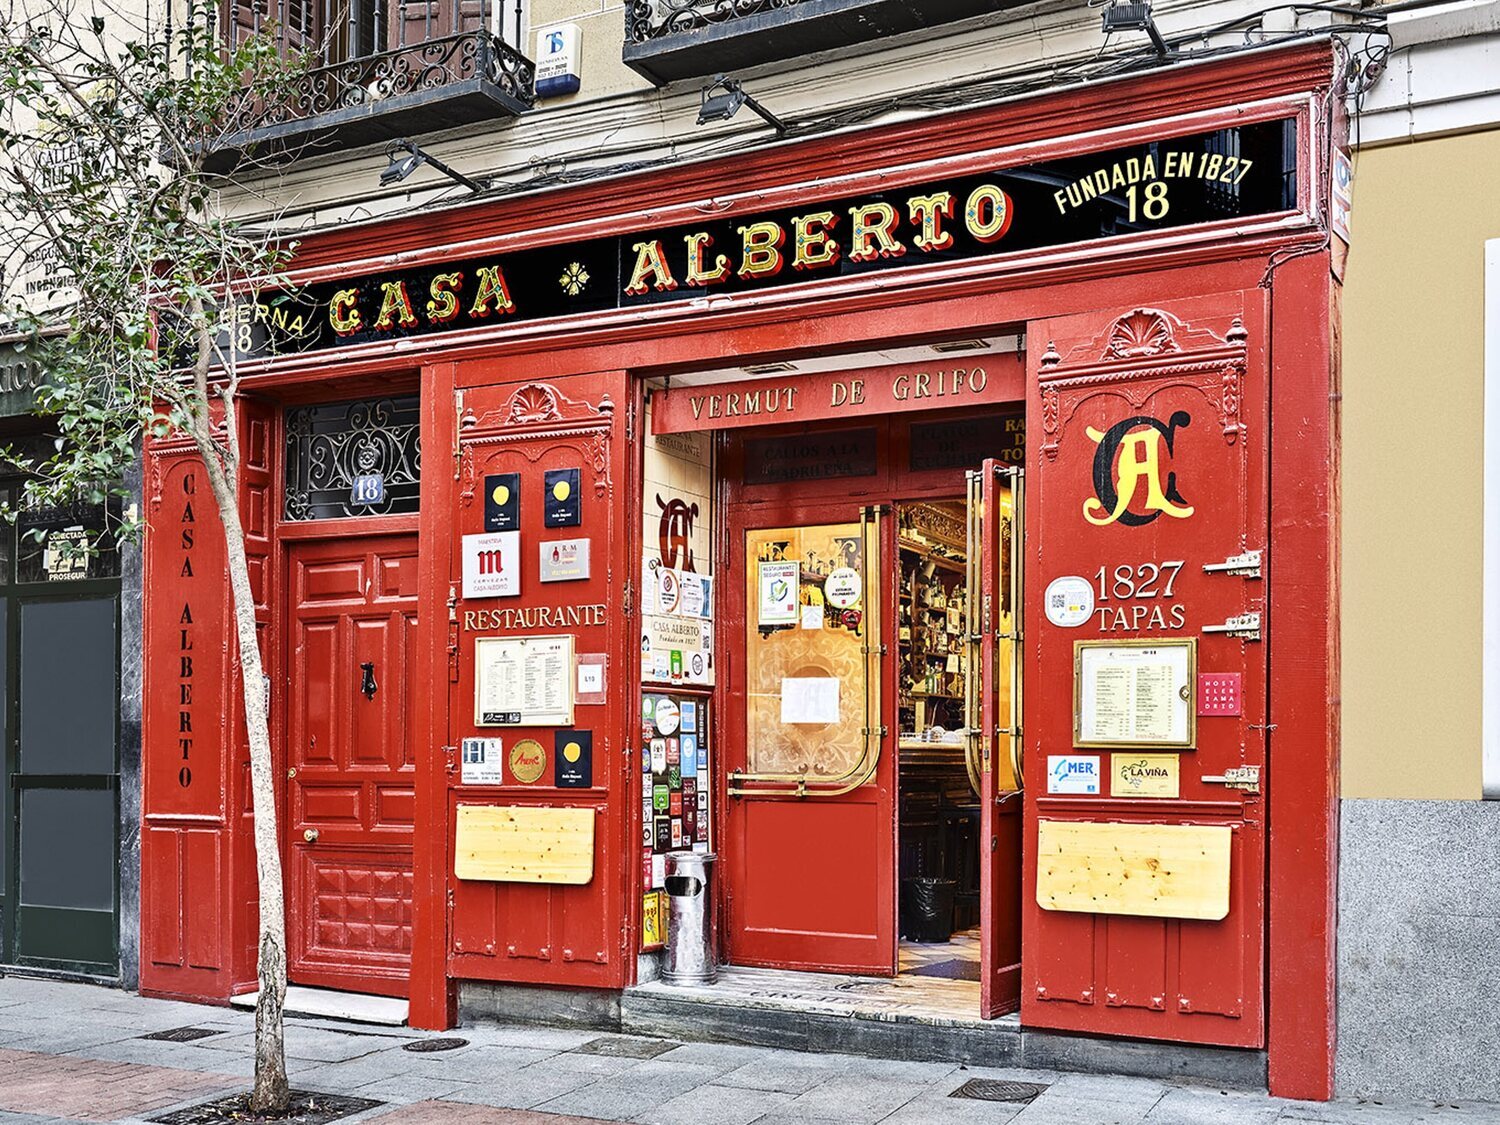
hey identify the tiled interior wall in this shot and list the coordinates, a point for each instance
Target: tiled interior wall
(678, 512)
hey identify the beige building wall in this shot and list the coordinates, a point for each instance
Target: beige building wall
(1413, 414)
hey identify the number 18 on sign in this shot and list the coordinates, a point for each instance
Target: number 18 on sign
(368, 488)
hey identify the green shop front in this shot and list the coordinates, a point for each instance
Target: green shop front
(66, 882)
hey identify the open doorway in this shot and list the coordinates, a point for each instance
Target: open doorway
(865, 712)
(938, 808)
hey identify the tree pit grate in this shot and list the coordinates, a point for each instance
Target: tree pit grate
(621, 1048)
(182, 1034)
(305, 1108)
(997, 1090)
(424, 1046)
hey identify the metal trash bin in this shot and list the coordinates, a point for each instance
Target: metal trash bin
(692, 938)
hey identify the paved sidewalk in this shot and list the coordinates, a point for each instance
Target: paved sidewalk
(72, 1052)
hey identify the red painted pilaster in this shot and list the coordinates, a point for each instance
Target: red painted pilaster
(434, 998)
(1302, 647)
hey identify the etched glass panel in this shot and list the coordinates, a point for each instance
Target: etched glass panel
(809, 692)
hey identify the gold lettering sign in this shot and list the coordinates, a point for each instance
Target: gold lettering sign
(512, 618)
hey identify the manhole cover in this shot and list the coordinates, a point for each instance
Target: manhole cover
(627, 1048)
(181, 1034)
(422, 1046)
(997, 1090)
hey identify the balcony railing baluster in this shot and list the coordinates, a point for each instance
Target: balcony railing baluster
(670, 40)
(652, 19)
(361, 59)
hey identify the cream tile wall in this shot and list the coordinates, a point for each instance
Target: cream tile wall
(678, 478)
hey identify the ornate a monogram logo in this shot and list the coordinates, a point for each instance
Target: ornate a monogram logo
(1129, 461)
(675, 533)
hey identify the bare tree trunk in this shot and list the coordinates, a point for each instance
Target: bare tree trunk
(271, 1093)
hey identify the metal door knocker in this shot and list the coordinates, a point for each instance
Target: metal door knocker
(368, 685)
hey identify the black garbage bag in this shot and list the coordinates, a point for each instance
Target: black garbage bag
(927, 909)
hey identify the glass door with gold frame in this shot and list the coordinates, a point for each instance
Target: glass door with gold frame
(809, 824)
(993, 698)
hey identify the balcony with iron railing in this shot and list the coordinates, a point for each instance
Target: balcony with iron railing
(373, 70)
(670, 40)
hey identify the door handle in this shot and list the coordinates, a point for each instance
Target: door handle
(310, 835)
(368, 684)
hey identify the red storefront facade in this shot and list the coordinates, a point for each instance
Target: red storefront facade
(1176, 385)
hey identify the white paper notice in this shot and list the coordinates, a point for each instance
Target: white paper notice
(812, 617)
(590, 679)
(810, 699)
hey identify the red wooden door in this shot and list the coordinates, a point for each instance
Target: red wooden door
(809, 824)
(1146, 521)
(994, 740)
(351, 766)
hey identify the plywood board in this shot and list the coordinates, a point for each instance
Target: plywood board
(524, 844)
(1150, 870)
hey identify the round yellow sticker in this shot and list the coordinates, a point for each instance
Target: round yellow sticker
(560, 490)
(501, 494)
(572, 751)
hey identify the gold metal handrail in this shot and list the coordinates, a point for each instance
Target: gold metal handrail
(973, 719)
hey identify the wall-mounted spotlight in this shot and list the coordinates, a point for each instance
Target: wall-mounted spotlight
(405, 158)
(1136, 17)
(726, 102)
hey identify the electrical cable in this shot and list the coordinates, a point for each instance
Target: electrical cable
(966, 94)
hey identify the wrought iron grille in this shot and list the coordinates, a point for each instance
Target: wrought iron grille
(652, 19)
(360, 52)
(328, 445)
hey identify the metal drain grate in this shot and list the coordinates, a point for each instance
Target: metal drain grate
(627, 1048)
(182, 1034)
(996, 1090)
(422, 1046)
(305, 1109)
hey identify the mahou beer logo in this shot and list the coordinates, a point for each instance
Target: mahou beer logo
(1132, 484)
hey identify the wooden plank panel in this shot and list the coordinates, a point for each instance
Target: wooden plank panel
(1149, 870)
(521, 844)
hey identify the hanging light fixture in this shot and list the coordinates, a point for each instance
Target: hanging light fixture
(1135, 17)
(726, 102)
(405, 158)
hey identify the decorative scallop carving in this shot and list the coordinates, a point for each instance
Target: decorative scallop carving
(1141, 333)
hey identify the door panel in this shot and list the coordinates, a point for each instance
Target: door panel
(810, 823)
(65, 786)
(1148, 474)
(350, 763)
(994, 690)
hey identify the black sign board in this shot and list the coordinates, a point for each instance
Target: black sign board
(1208, 177)
(816, 456)
(502, 502)
(965, 442)
(562, 506)
(573, 761)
